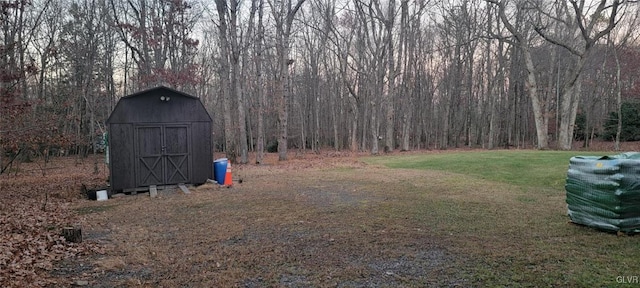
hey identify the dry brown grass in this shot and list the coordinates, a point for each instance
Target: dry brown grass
(329, 220)
(325, 221)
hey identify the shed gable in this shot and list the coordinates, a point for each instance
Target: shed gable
(148, 107)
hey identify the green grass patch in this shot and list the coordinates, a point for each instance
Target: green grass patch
(524, 168)
(506, 212)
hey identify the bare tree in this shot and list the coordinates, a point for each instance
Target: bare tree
(158, 35)
(234, 57)
(226, 77)
(624, 36)
(590, 31)
(568, 21)
(260, 93)
(342, 45)
(283, 13)
(523, 43)
(388, 100)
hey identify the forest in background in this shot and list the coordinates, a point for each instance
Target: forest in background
(358, 75)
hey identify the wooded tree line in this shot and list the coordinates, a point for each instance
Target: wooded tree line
(359, 75)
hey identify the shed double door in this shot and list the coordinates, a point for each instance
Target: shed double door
(163, 154)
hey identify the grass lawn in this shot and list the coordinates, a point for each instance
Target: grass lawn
(522, 168)
(506, 210)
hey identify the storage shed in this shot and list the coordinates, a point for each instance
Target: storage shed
(160, 137)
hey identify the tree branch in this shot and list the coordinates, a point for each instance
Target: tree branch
(557, 42)
(610, 25)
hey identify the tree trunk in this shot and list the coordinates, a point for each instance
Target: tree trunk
(225, 90)
(315, 93)
(365, 121)
(493, 86)
(282, 100)
(236, 79)
(618, 92)
(570, 98)
(297, 106)
(337, 144)
(373, 126)
(283, 16)
(539, 107)
(406, 126)
(145, 70)
(391, 75)
(354, 124)
(260, 83)
(242, 122)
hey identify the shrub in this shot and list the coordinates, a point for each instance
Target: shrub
(272, 146)
(630, 123)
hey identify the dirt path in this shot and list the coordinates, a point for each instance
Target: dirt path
(306, 223)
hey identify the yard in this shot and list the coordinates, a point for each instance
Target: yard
(429, 219)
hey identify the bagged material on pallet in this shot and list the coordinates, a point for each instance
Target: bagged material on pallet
(604, 192)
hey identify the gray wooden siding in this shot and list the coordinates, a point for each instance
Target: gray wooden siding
(202, 152)
(148, 108)
(122, 156)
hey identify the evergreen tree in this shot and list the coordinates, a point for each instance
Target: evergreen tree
(630, 123)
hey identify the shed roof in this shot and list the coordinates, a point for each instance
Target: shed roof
(147, 107)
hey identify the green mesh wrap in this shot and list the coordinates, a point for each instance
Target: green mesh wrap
(604, 192)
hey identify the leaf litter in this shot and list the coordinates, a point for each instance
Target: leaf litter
(33, 210)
